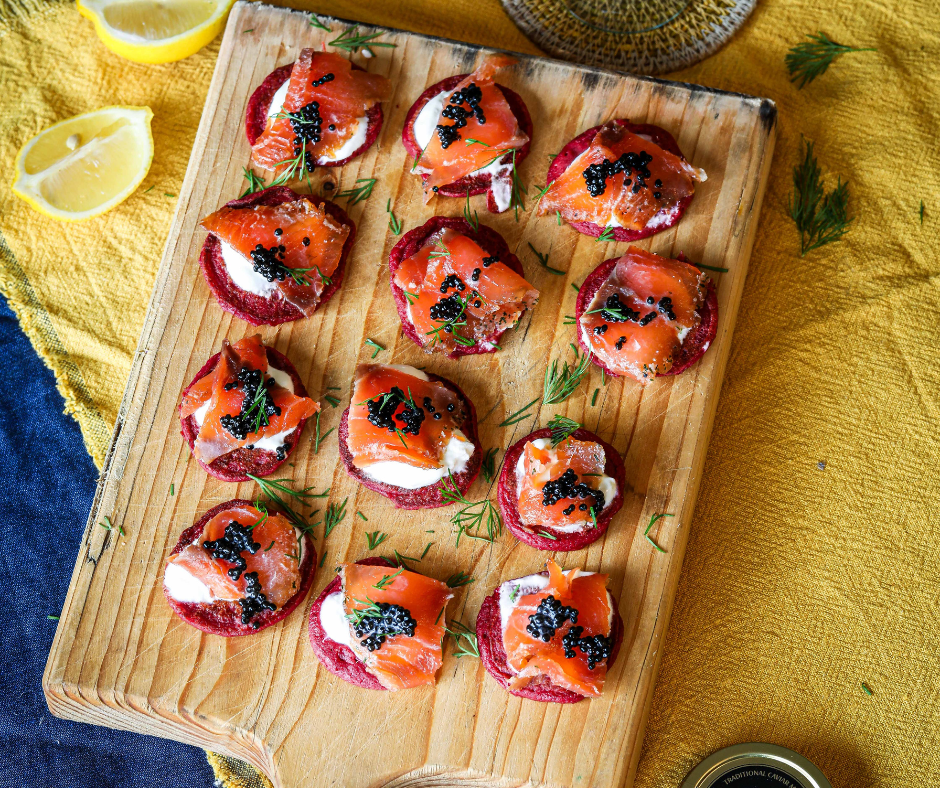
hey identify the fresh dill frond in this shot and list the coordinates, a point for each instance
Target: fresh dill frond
(334, 516)
(474, 220)
(562, 428)
(315, 22)
(607, 235)
(559, 385)
(821, 217)
(653, 520)
(472, 517)
(387, 580)
(810, 59)
(255, 182)
(357, 193)
(543, 259)
(466, 640)
(488, 468)
(519, 415)
(351, 40)
(375, 345)
(394, 224)
(375, 538)
(459, 579)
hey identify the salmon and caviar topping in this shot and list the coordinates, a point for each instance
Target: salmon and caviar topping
(396, 619)
(324, 112)
(475, 130)
(246, 555)
(400, 417)
(640, 316)
(244, 403)
(563, 486)
(558, 627)
(295, 246)
(458, 294)
(621, 180)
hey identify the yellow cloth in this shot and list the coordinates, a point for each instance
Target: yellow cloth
(799, 583)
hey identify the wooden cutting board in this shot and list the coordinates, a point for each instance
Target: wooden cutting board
(122, 659)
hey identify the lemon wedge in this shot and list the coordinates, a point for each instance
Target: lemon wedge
(156, 31)
(84, 166)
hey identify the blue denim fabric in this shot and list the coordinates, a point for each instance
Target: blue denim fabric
(47, 481)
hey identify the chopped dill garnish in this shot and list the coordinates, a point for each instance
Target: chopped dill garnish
(810, 59)
(921, 212)
(488, 468)
(334, 516)
(569, 320)
(459, 579)
(400, 559)
(359, 193)
(519, 415)
(52, 618)
(375, 538)
(594, 398)
(577, 289)
(558, 215)
(562, 428)
(387, 579)
(473, 221)
(255, 182)
(373, 344)
(268, 547)
(607, 235)
(171, 488)
(425, 552)
(711, 268)
(273, 489)
(472, 517)
(333, 401)
(109, 526)
(543, 259)
(653, 520)
(360, 514)
(559, 386)
(466, 640)
(315, 22)
(393, 223)
(322, 559)
(820, 217)
(547, 535)
(317, 437)
(867, 690)
(351, 40)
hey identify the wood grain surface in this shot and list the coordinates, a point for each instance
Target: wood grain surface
(122, 659)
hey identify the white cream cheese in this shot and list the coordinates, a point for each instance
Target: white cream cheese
(241, 271)
(457, 454)
(423, 128)
(347, 148)
(185, 587)
(333, 619)
(606, 484)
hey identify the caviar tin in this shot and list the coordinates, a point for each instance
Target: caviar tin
(755, 765)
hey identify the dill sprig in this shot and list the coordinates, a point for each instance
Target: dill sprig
(559, 386)
(542, 192)
(653, 520)
(109, 526)
(473, 221)
(296, 166)
(594, 398)
(263, 509)
(569, 320)
(867, 690)
(255, 182)
(358, 193)
(465, 638)
(273, 489)
(811, 59)
(351, 40)
(607, 235)
(317, 437)
(518, 191)
(334, 516)
(519, 415)
(394, 224)
(821, 217)
(543, 259)
(921, 212)
(473, 516)
(333, 401)
(387, 580)
(459, 579)
(451, 325)
(360, 514)
(411, 297)
(369, 609)
(315, 22)
(375, 345)
(375, 538)
(562, 428)
(400, 559)
(488, 468)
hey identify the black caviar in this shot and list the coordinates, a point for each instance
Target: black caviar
(323, 80)
(596, 647)
(448, 309)
(665, 306)
(488, 261)
(596, 175)
(453, 281)
(620, 343)
(615, 311)
(229, 547)
(257, 405)
(269, 262)
(470, 96)
(382, 412)
(568, 486)
(307, 126)
(255, 601)
(549, 617)
(388, 620)
(601, 329)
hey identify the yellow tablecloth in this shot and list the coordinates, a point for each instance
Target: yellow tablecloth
(799, 583)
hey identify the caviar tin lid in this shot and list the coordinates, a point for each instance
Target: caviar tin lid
(755, 765)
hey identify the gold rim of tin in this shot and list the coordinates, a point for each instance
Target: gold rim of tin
(755, 754)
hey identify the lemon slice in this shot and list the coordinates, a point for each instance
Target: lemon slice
(84, 166)
(156, 31)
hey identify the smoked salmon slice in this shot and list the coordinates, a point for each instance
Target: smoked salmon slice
(398, 416)
(562, 632)
(639, 317)
(621, 180)
(242, 547)
(296, 244)
(476, 128)
(327, 99)
(397, 620)
(458, 294)
(556, 489)
(239, 402)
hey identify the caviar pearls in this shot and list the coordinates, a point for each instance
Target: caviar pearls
(257, 405)
(549, 617)
(382, 412)
(463, 104)
(447, 309)
(597, 648)
(568, 486)
(236, 540)
(306, 124)
(630, 163)
(254, 601)
(388, 620)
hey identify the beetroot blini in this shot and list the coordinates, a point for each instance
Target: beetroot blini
(631, 181)
(642, 315)
(407, 434)
(454, 159)
(238, 570)
(550, 671)
(379, 626)
(235, 426)
(276, 287)
(334, 109)
(558, 500)
(448, 274)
